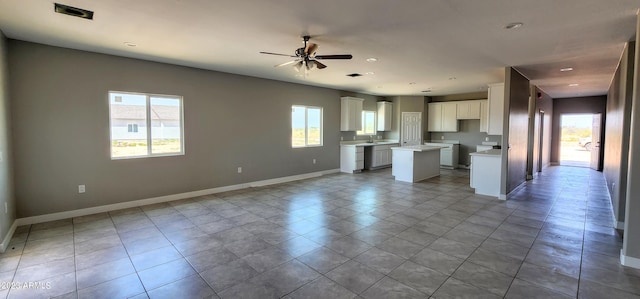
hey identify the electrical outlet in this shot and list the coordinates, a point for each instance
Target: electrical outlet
(1, 156)
(239, 169)
(6, 208)
(314, 161)
(82, 189)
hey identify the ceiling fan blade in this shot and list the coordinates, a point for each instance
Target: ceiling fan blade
(298, 66)
(311, 49)
(269, 53)
(341, 56)
(319, 65)
(287, 63)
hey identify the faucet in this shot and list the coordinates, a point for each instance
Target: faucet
(371, 138)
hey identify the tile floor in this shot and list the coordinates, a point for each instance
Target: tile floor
(338, 236)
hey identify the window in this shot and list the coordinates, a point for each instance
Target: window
(306, 126)
(368, 123)
(132, 128)
(145, 125)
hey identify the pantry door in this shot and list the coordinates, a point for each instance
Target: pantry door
(411, 128)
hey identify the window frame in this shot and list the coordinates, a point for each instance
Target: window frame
(306, 126)
(375, 120)
(148, 121)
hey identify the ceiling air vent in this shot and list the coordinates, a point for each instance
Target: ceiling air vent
(73, 11)
(354, 75)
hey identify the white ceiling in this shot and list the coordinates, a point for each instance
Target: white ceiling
(422, 41)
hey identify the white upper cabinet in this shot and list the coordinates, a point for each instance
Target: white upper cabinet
(468, 109)
(385, 112)
(495, 109)
(350, 114)
(442, 117)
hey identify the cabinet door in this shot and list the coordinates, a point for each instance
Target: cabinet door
(449, 117)
(350, 114)
(495, 109)
(484, 121)
(385, 111)
(434, 121)
(474, 110)
(462, 109)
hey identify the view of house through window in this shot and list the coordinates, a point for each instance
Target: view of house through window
(368, 123)
(145, 125)
(306, 126)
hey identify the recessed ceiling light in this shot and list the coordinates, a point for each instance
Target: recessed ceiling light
(412, 83)
(513, 25)
(574, 84)
(369, 73)
(428, 90)
(73, 11)
(566, 69)
(130, 44)
(452, 78)
(372, 59)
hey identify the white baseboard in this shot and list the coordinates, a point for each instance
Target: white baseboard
(502, 197)
(8, 236)
(629, 261)
(161, 199)
(618, 224)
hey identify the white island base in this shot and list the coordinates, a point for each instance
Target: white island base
(415, 163)
(485, 174)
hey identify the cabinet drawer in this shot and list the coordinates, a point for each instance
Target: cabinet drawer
(360, 156)
(359, 149)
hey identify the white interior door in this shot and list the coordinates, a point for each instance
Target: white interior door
(595, 141)
(411, 133)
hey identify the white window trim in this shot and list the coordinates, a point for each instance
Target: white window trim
(306, 126)
(148, 125)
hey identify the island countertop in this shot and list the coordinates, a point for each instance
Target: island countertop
(418, 148)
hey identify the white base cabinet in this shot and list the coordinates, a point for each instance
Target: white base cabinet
(485, 173)
(351, 158)
(379, 156)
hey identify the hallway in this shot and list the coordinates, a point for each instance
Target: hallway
(338, 236)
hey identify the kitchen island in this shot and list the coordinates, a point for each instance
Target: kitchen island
(415, 163)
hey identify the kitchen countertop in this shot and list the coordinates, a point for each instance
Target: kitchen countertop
(491, 152)
(418, 148)
(364, 143)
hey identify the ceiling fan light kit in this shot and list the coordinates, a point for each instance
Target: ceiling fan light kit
(306, 56)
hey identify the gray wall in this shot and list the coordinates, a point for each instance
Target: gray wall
(579, 105)
(61, 129)
(6, 176)
(618, 124)
(515, 131)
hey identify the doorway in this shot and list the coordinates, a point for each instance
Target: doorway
(580, 140)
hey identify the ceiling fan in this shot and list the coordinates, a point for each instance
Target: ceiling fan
(306, 56)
